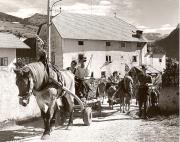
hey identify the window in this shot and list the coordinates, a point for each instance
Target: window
(148, 49)
(3, 61)
(108, 59)
(123, 44)
(80, 42)
(134, 59)
(103, 74)
(92, 74)
(160, 60)
(108, 43)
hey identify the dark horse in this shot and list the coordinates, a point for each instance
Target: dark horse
(142, 95)
(124, 92)
(120, 93)
(33, 79)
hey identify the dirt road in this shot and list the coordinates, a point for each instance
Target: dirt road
(112, 127)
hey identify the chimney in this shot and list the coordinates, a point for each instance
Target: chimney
(139, 33)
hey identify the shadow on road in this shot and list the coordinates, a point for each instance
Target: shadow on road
(36, 127)
(113, 119)
(17, 135)
(29, 129)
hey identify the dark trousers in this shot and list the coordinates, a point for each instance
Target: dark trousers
(142, 100)
(144, 105)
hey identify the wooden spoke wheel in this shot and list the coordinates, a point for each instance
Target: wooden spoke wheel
(87, 116)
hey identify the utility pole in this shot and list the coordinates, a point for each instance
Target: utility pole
(49, 30)
(49, 14)
(91, 6)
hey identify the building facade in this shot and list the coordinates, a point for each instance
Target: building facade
(109, 43)
(8, 45)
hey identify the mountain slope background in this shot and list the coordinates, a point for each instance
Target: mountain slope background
(170, 44)
(26, 27)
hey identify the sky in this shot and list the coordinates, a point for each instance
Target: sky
(147, 15)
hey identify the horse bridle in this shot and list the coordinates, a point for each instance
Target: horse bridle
(29, 93)
(25, 97)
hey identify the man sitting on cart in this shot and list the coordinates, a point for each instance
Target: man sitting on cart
(114, 78)
(81, 87)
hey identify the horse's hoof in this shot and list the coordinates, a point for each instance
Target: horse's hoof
(145, 117)
(45, 136)
(52, 128)
(70, 124)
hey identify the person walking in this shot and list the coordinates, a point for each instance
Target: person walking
(145, 81)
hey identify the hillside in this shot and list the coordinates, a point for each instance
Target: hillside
(170, 44)
(10, 18)
(152, 36)
(18, 29)
(21, 27)
(36, 19)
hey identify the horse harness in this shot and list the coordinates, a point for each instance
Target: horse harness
(51, 81)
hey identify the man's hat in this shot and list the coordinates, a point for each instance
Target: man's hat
(82, 58)
(115, 72)
(143, 67)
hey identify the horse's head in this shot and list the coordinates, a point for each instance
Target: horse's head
(134, 73)
(24, 84)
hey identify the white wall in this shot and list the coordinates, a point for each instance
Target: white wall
(99, 50)
(148, 60)
(9, 101)
(159, 65)
(11, 54)
(67, 50)
(153, 61)
(144, 52)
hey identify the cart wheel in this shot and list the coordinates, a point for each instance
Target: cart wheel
(99, 105)
(87, 116)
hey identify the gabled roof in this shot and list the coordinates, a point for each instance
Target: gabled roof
(8, 40)
(93, 27)
(150, 69)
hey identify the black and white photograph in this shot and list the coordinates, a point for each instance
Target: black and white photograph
(89, 70)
